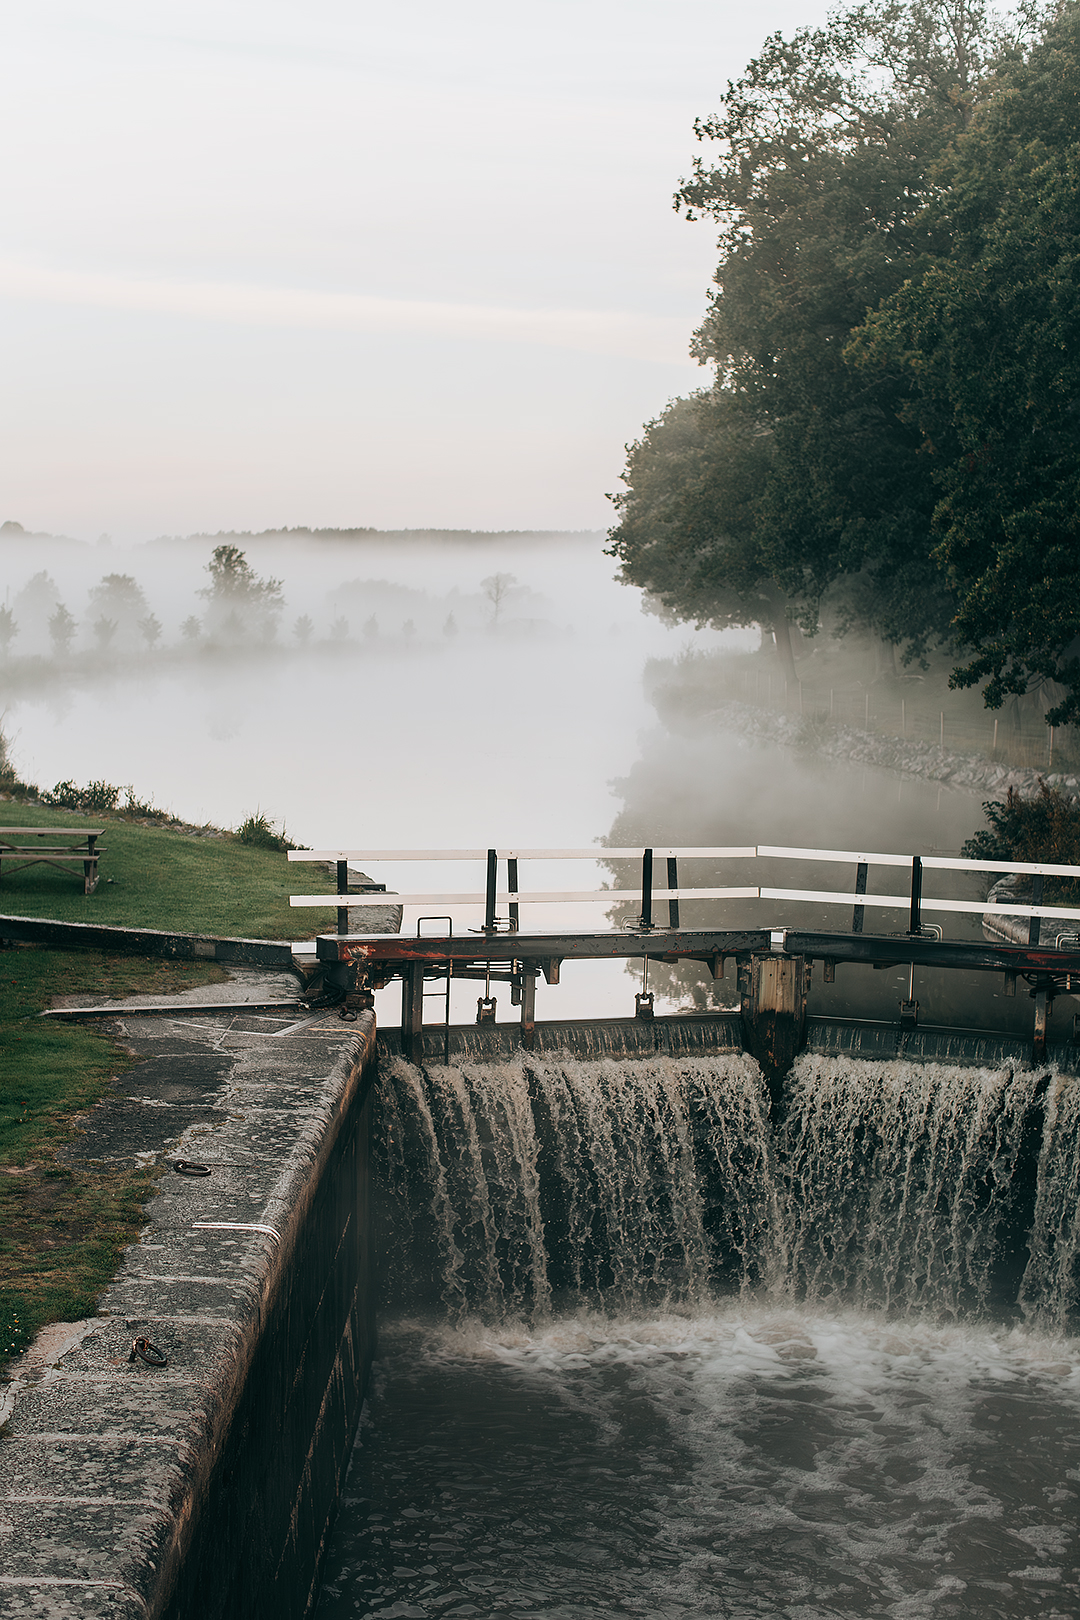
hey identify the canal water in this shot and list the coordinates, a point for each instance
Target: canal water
(643, 1356)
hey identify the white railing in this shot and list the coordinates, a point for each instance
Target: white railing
(511, 894)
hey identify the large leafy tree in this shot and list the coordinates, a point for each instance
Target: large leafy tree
(822, 166)
(989, 342)
(687, 530)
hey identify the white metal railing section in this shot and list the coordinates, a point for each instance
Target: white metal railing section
(513, 896)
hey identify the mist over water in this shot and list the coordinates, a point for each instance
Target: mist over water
(533, 730)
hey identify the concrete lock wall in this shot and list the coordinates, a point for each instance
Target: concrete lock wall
(259, 1519)
(208, 1487)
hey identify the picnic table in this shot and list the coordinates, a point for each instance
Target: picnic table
(26, 846)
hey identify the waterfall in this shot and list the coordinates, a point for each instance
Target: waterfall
(512, 1187)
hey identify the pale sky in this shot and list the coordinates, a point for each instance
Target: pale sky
(346, 264)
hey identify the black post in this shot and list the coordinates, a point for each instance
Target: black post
(1034, 923)
(342, 888)
(511, 884)
(1042, 1016)
(673, 883)
(412, 1010)
(646, 889)
(492, 873)
(915, 921)
(528, 1005)
(859, 912)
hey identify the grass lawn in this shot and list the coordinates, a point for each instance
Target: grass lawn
(62, 1227)
(157, 877)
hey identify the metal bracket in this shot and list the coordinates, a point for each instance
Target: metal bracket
(485, 1009)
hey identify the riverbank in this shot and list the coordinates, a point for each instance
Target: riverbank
(976, 773)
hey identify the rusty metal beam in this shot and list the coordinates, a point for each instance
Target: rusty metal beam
(502, 948)
(888, 950)
(394, 951)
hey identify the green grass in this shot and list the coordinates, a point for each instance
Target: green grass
(62, 1227)
(156, 877)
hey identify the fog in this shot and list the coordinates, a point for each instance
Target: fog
(445, 691)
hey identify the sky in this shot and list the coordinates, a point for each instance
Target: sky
(332, 263)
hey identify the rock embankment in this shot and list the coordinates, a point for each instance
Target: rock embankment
(974, 773)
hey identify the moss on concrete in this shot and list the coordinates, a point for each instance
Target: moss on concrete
(62, 1227)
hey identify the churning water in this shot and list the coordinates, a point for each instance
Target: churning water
(648, 1354)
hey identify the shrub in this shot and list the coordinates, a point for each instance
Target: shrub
(1045, 828)
(258, 831)
(103, 798)
(93, 799)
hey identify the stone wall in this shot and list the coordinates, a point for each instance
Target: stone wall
(973, 772)
(206, 1488)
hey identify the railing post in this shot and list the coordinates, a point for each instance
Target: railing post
(511, 884)
(343, 888)
(492, 878)
(1034, 923)
(673, 883)
(646, 889)
(915, 920)
(859, 912)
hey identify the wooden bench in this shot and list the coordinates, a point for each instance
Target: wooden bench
(24, 846)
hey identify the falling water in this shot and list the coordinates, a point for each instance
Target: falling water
(657, 1182)
(652, 1353)
(602, 1182)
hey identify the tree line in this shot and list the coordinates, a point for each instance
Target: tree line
(239, 606)
(239, 609)
(890, 438)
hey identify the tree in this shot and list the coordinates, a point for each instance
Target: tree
(120, 599)
(34, 605)
(988, 341)
(303, 629)
(498, 588)
(239, 603)
(61, 630)
(150, 629)
(191, 629)
(8, 629)
(450, 627)
(339, 630)
(687, 525)
(104, 631)
(825, 159)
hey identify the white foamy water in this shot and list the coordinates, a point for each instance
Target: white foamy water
(640, 1181)
(675, 1366)
(749, 1460)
